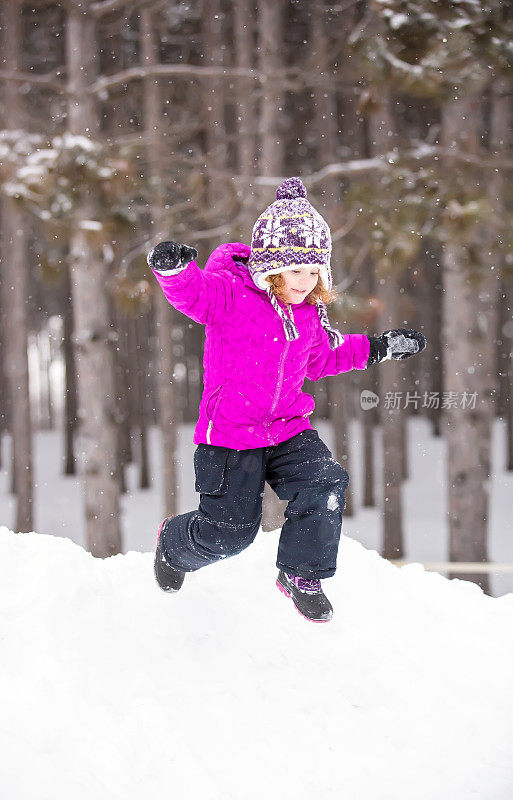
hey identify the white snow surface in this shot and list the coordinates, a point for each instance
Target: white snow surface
(110, 688)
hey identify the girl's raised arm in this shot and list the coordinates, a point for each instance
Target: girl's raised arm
(203, 296)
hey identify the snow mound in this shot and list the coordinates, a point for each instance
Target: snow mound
(110, 688)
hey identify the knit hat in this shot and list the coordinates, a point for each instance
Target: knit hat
(291, 234)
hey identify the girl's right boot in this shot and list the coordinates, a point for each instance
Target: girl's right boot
(307, 596)
(168, 578)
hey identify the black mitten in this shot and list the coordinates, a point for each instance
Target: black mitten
(398, 344)
(170, 256)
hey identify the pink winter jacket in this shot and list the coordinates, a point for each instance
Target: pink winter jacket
(253, 376)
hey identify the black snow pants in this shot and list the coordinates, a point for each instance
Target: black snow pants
(231, 486)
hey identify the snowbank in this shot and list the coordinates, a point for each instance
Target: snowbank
(111, 689)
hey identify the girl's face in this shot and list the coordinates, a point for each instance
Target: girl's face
(298, 283)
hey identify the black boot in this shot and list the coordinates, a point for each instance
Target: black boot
(168, 578)
(307, 596)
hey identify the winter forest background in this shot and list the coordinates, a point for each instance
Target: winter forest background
(124, 123)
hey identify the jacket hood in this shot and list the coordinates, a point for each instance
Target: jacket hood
(224, 257)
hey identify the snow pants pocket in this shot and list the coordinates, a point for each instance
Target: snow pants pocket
(210, 468)
(231, 485)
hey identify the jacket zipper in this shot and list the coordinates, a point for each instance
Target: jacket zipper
(209, 431)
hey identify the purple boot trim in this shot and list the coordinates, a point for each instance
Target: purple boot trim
(311, 586)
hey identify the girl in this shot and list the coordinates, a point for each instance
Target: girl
(266, 330)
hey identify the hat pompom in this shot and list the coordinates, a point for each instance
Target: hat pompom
(290, 189)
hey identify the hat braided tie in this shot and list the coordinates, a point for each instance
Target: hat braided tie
(289, 326)
(334, 336)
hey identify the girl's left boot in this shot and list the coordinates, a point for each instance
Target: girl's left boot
(168, 578)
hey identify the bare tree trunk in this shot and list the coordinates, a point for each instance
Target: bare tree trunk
(469, 327)
(271, 152)
(370, 423)
(244, 26)
(142, 327)
(94, 359)
(369, 381)
(404, 437)
(326, 126)
(4, 413)
(270, 50)
(215, 128)
(164, 313)
(507, 332)
(121, 383)
(500, 142)
(3, 379)
(355, 137)
(503, 350)
(381, 131)
(15, 280)
(434, 355)
(393, 435)
(138, 387)
(70, 397)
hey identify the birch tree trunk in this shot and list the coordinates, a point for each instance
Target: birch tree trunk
(468, 330)
(164, 313)
(15, 281)
(382, 133)
(95, 364)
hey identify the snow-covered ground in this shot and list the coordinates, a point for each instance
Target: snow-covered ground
(111, 689)
(59, 509)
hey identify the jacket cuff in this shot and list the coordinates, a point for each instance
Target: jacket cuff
(168, 271)
(360, 350)
(378, 350)
(180, 275)
(171, 271)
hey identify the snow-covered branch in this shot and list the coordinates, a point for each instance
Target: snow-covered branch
(361, 166)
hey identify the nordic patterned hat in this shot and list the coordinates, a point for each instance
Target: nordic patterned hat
(291, 234)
